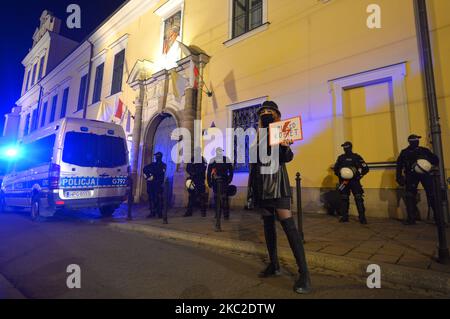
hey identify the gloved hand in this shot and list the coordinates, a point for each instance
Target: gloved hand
(401, 181)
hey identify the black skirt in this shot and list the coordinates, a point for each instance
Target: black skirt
(277, 203)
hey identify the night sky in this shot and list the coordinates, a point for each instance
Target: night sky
(19, 21)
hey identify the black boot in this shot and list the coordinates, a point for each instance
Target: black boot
(345, 206)
(411, 208)
(270, 234)
(303, 284)
(359, 199)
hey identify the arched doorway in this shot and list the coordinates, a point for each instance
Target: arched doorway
(158, 139)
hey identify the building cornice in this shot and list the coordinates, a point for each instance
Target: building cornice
(34, 52)
(71, 58)
(129, 12)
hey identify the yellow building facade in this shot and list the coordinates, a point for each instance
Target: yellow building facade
(322, 60)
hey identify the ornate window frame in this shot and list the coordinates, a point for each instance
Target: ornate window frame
(395, 74)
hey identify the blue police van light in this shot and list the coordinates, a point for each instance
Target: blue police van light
(84, 129)
(11, 152)
(111, 132)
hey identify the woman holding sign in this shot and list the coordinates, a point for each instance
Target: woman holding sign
(270, 192)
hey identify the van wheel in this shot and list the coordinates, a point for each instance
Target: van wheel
(35, 208)
(107, 211)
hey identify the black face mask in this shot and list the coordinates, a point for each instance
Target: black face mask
(348, 150)
(266, 120)
(413, 144)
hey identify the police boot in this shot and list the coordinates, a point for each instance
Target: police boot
(411, 208)
(188, 213)
(345, 206)
(270, 234)
(359, 199)
(303, 284)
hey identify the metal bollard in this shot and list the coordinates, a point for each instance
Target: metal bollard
(166, 202)
(443, 252)
(219, 185)
(130, 199)
(298, 181)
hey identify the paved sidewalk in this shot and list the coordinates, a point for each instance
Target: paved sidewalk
(8, 291)
(382, 241)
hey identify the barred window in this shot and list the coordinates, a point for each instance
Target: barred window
(244, 118)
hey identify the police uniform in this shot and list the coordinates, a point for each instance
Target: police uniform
(358, 165)
(197, 173)
(155, 175)
(221, 167)
(410, 179)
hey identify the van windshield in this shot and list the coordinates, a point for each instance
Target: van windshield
(91, 150)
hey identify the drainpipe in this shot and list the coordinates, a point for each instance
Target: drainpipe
(88, 82)
(433, 112)
(137, 138)
(440, 185)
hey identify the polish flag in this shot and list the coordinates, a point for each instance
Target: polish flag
(119, 112)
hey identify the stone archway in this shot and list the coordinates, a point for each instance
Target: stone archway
(158, 139)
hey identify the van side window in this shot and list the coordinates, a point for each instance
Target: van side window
(37, 153)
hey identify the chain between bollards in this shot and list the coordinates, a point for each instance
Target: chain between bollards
(443, 252)
(298, 181)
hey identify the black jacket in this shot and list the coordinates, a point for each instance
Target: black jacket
(223, 169)
(351, 160)
(158, 170)
(270, 186)
(409, 156)
(197, 171)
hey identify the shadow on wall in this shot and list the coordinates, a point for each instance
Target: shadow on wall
(230, 87)
(391, 196)
(330, 198)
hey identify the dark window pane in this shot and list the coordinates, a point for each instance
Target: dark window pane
(41, 68)
(247, 15)
(53, 111)
(44, 114)
(64, 103)
(91, 150)
(28, 80)
(82, 93)
(33, 79)
(98, 83)
(27, 125)
(256, 12)
(34, 120)
(118, 72)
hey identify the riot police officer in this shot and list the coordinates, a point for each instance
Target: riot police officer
(351, 168)
(220, 167)
(196, 183)
(155, 175)
(413, 167)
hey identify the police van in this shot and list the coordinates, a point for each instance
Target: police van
(70, 164)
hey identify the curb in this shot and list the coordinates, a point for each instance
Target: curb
(428, 280)
(8, 291)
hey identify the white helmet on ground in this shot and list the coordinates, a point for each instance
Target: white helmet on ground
(190, 185)
(347, 173)
(422, 166)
